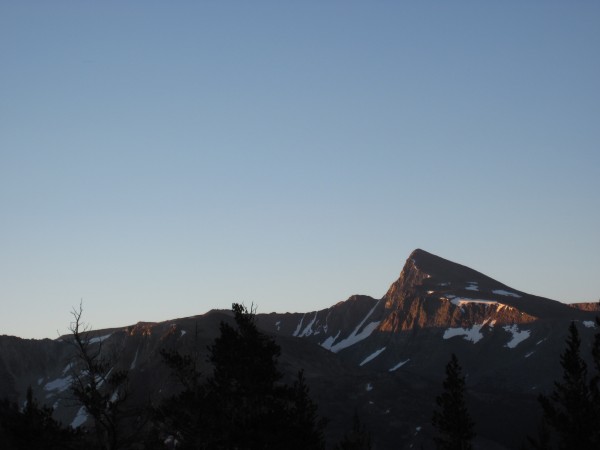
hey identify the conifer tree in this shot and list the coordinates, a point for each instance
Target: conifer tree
(543, 440)
(34, 428)
(452, 420)
(243, 404)
(572, 409)
(302, 422)
(357, 439)
(595, 381)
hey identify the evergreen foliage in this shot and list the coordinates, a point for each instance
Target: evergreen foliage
(33, 428)
(543, 441)
(595, 381)
(572, 410)
(452, 420)
(243, 404)
(357, 439)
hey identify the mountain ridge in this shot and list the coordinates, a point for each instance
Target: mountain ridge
(365, 354)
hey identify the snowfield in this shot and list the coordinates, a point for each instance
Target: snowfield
(355, 336)
(372, 356)
(295, 334)
(60, 384)
(506, 293)
(460, 301)
(464, 301)
(99, 339)
(308, 329)
(397, 366)
(517, 336)
(470, 334)
(327, 343)
(472, 286)
(80, 418)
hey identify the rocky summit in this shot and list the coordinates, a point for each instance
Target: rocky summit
(382, 358)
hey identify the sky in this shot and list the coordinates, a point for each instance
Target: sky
(161, 159)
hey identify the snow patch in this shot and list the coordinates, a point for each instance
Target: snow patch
(372, 356)
(529, 354)
(517, 336)
(463, 301)
(369, 387)
(326, 326)
(472, 334)
(400, 364)
(472, 286)
(589, 324)
(134, 362)
(171, 442)
(506, 293)
(101, 379)
(430, 292)
(80, 418)
(355, 336)
(299, 326)
(39, 381)
(99, 339)
(308, 330)
(67, 368)
(60, 384)
(278, 325)
(328, 343)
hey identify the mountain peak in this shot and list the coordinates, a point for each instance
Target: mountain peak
(444, 270)
(419, 253)
(426, 276)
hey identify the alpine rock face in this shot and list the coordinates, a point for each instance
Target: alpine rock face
(436, 307)
(383, 358)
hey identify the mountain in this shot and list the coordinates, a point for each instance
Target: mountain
(383, 358)
(587, 306)
(434, 308)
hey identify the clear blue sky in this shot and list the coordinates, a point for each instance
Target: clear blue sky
(160, 159)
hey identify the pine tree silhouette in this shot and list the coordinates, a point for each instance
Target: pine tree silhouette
(452, 420)
(572, 408)
(33, 428)
(302, 423)
(595, 381)
(357, 439)
(243, 405)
